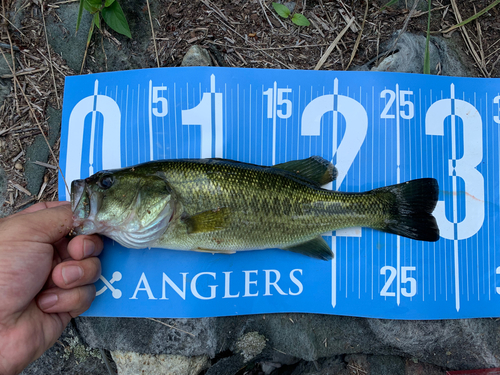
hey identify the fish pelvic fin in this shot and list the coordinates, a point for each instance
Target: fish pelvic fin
(315, 248)
(410, 205)
(316, 169)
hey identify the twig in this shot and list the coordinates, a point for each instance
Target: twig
(46, 165)
(20, 188)
(327, 14)
(170, 326)
(332, 46)
(276, 17)
(215, 9)
(13, 70)
(480, 37)
(153, 33)
(8, 46)
(465, 36)
(403, 29)
(32, 112)
(476, 15)
(24, 72)
(358, 39)
(50, 57)
(14, 26)
(265, 14)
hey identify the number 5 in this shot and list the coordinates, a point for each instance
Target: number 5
(286, 102)
(405, 278)
(159, 99)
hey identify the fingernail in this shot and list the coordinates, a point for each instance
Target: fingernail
(88, 248)
(71, 274)
(47, 301)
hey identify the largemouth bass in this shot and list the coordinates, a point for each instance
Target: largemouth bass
(223, 206)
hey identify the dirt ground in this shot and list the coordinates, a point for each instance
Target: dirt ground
(237, 33)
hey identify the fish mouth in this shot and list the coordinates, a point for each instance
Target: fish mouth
(84, 205)
(79, 200)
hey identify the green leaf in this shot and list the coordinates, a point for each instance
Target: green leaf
(91, 30)
(282, 10)
(300, 20)
(389, 4)
(97, 20)
(114, 17)
(472, 18)
(80, 12)
(107, 3)
(92, 6)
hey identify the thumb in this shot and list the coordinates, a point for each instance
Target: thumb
(47, 225)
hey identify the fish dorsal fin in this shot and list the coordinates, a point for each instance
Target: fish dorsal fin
(316, 169)
(315, 248)
(208, 221)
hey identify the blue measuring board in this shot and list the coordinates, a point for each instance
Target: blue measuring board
(378, 129)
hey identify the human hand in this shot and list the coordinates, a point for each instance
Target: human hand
(45, 280)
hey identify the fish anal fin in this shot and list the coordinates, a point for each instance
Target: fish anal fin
(208, 221)
(213, 251)
(315, 248)
(317, 169)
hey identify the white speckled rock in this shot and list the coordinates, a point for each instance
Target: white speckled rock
(196, 56)
(130, 363)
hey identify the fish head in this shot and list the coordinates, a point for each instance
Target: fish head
(131, 207)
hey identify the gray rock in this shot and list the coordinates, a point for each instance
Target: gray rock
(304, 336)
(227, 366)
(250, 345)
(130, 53)
(38, 151)
(129, 363)
(408, 56)
(5, 84)
(455, 344)
(386, 365)
(324, 366)
(63, 37)
(108, 54)
(290, 5)
(414, 367)
(68, 356)
(190, 337)
(196, 56)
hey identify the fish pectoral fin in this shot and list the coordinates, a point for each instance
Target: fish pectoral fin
(208, 221)
(318, 170)
(315, 248)
(213, 251)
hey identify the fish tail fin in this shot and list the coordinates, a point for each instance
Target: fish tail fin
(409, 208)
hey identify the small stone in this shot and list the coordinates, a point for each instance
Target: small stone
(290, 5)
(196, 56)
(250, 345)
(18, 166)
(162, 364)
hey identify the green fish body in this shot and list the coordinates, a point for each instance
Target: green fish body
(218, 205)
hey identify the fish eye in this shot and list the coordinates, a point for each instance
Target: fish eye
(106, 182)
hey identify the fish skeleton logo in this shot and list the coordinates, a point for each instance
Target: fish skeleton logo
(117, 293)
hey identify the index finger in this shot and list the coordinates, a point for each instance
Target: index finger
(40, 206)
(45, 225)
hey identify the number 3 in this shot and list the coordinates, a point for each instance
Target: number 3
(465, 168)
